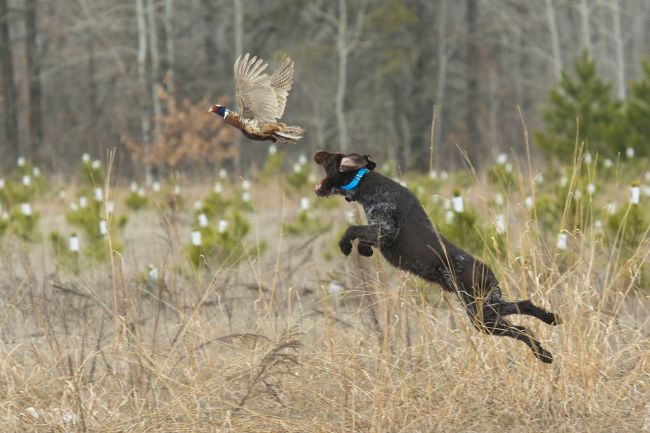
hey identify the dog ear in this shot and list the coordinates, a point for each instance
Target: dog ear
(352, 162)
(321, 156)
(370, 165)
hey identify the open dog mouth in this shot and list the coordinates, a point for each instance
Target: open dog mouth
(323, 189)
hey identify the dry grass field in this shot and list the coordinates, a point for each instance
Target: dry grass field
(290, 342)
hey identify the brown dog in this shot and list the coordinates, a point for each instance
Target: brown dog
(400, 228)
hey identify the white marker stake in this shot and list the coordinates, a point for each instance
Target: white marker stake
(196, 238)
(591, 188)
(103, 228)
(459, 206)
(449, 217)
(203, 220)
(27, 180)
(528, 202)
(74, 244)
(635, 194)
(501, 224)
(222, 226)
(629, 152)
(561, 241)
(304, 203)
(26, 209)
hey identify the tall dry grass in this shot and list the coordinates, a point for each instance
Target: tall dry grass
(261, 346)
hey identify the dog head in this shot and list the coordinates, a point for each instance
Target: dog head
(340, 169)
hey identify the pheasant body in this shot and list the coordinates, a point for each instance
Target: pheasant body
(256, 129)
(261, 99)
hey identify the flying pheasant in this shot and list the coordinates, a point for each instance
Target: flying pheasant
(261, 99)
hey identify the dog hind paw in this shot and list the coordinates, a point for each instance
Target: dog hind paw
(346, 246)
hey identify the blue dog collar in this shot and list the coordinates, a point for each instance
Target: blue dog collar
(356, 180)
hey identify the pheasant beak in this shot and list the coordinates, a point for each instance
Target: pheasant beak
(212, 109)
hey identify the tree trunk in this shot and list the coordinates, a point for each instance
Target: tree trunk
(639, 39)
(441, 80)
(145, 118)
(9, 94)
(585, 16)
(619, 49)
(169, 39)
(155, 64)
(555, 38)
(93, 108)
(342, 51)
(239, 27)
(34, 77)
(209, 44)
(472, 63)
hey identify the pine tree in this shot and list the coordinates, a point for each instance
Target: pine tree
(638, 114)
(583, 96)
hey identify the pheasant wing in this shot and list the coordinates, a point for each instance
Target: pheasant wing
(281, 82)
(255, 96)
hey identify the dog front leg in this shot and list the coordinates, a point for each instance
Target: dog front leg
(367, 236)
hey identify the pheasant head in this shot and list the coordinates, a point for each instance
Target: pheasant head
(220, 110)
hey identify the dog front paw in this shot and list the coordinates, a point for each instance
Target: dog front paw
(364, 249)
(346, 246)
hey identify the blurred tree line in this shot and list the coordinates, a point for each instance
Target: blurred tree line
(88, 75)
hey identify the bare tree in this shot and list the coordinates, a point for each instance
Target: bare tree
(441, 80)
(585, 19)
(169, 44)
(239, 27)
(155, 61)
(33, 67)
(555, 38)
(472, 69)
(8, 85)
(619, 49)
